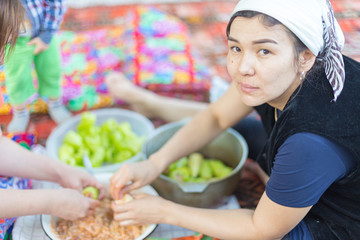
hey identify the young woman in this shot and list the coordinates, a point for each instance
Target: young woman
(285, 61)
(18, 165)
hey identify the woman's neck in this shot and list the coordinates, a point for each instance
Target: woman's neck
(282, 100)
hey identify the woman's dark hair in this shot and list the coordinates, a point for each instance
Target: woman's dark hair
(268, 21)
(11, 20)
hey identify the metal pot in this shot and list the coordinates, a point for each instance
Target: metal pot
(230, 147)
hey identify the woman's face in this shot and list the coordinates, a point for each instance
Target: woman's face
(261, 62)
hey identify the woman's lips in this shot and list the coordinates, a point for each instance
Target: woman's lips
(247, 88)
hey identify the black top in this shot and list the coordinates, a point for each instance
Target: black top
(311, 109)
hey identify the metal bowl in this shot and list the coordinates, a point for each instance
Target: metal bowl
(230, 147)
(140, 125)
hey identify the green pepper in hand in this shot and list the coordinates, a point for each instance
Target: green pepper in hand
(91, 192)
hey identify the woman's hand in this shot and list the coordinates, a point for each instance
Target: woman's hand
(75, 178)
(132, 176)
(70, 204)
(144, 209)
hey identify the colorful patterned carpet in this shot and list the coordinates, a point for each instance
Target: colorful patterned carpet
(93, 43)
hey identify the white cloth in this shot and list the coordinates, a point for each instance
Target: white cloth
(313, 22)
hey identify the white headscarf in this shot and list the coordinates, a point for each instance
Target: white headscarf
(313, 22)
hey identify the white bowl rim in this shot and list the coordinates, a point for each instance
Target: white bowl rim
(50, 232)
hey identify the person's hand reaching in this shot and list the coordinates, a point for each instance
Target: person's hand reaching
(40, 46)
(70, 204)
(132, 176)
(143, 209)
(78, 179)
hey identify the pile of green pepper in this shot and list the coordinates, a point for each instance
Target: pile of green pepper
(196, 168)
(110, 143)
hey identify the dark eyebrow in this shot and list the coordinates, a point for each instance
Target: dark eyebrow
(254, 42)
(232, 39)
(265, 41)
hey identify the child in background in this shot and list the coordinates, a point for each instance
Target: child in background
(36, 44)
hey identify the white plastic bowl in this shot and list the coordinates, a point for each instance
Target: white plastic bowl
(140, 125)
(48, 222)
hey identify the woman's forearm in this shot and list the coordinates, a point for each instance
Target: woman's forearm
(267, 222)
(18, 162)
(223, 224)
(16, 203)
(64, 203)
(174, 109)
(203, 127)
(184, 142)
